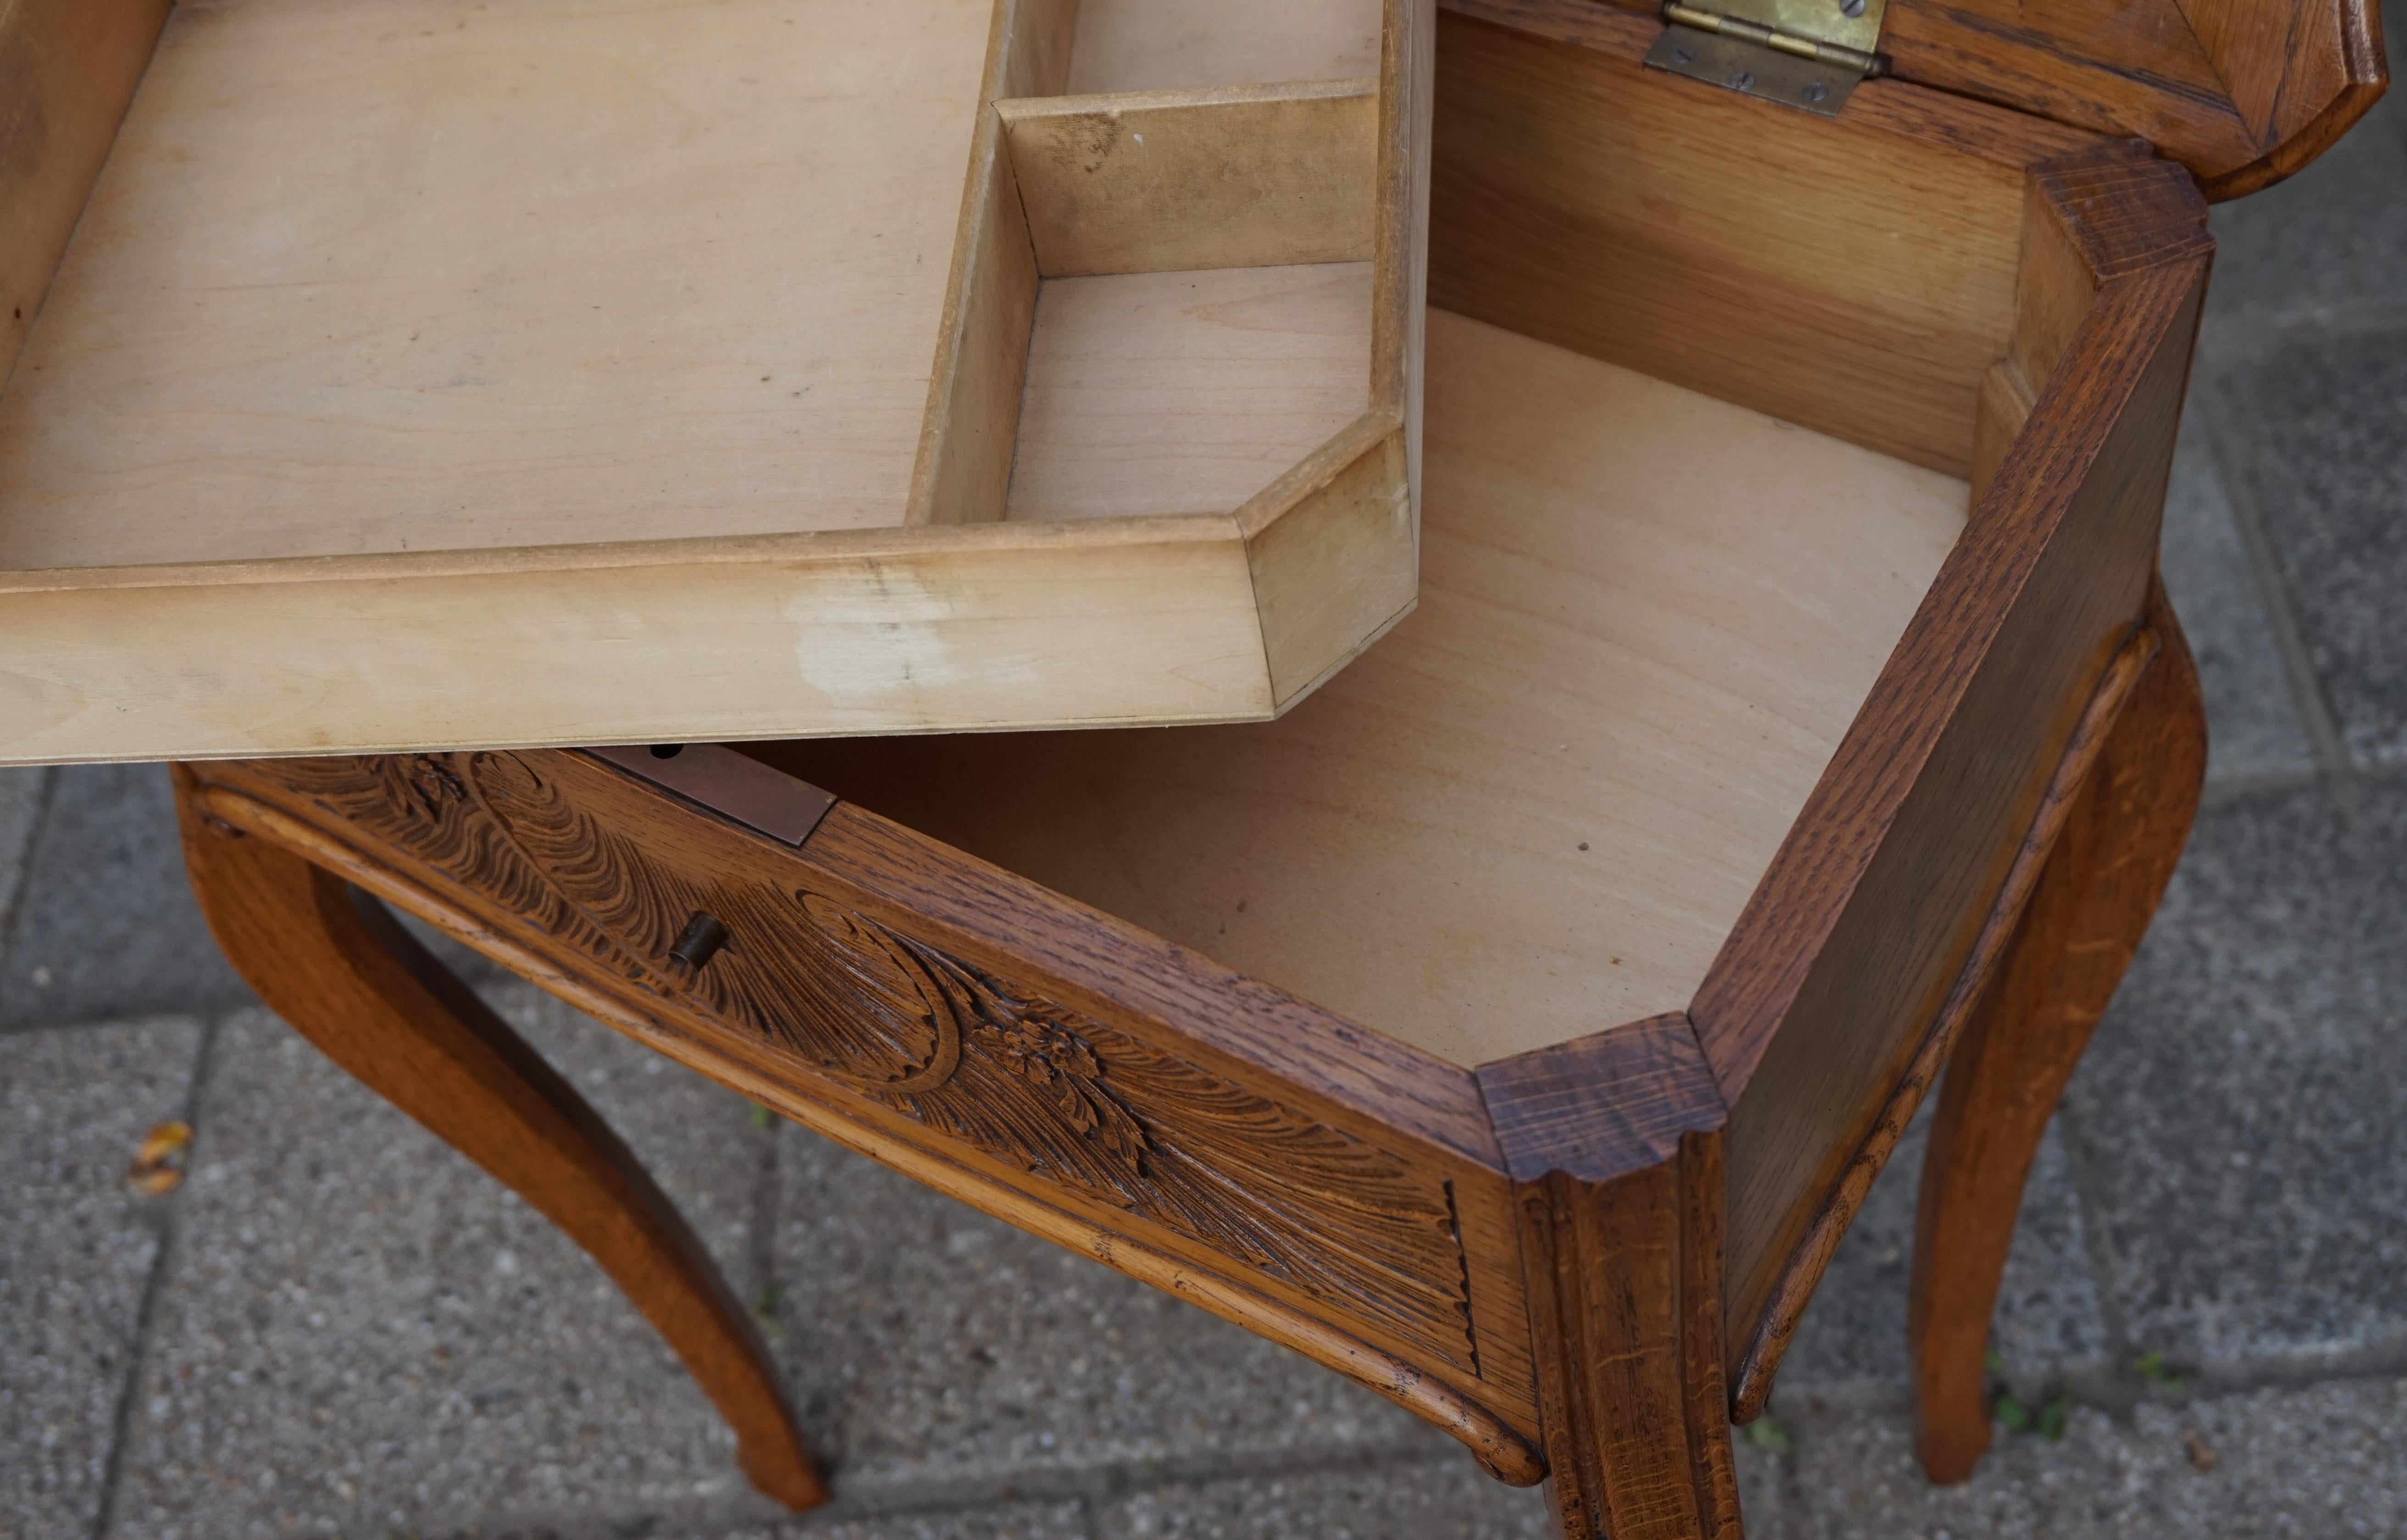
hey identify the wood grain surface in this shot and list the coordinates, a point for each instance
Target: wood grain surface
(2242, 91)
(1158, 181)
(1202, 1117)
(2122, 831)
(1758, 1359)
(393, 345)
(1153, 394)
(1765, 258)
(68, 67)
(345, 976)
(1161, 45)
(1646, 618)
(1613, 1143)
(1866, 917)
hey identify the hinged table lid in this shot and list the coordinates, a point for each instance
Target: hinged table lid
(2242, 91)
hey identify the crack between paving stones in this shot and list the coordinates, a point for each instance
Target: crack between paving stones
(11, 912)
(168, 1227)
(2284, 610)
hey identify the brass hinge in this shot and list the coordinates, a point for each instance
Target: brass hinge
(1804, 53)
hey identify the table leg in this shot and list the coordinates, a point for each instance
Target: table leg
(338, 967)
(2092, 903)
(1625, 1303)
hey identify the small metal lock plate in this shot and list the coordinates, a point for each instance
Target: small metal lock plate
(767, 801)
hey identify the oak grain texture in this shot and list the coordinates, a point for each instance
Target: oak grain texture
(2121, 835)
(2243, 93)
(1758, 1361)
(1815, 1004)
(1614, 1144)
(1765, 258)
(345, 976)
(1202, 1117)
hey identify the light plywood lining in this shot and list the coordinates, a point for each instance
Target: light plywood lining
(373, 277)
(1186, 392)
(1151, 45)
(406, 275)
(1536, 809)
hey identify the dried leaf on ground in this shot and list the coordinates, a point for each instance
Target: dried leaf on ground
(159, 1163)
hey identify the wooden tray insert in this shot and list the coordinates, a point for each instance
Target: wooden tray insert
(499, 289)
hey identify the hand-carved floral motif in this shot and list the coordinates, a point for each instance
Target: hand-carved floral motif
(1007, 1070)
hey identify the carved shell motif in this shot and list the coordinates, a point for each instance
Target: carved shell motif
(1009, 1070)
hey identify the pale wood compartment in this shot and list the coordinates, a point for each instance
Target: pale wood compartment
(393, 275)
(375, 276)
(634, 315)
(1187, 392)
(1535, 809)
(1155, 45)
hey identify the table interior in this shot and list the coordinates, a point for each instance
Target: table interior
(1534, 809)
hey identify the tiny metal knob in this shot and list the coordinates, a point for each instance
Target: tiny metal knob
(700, 941)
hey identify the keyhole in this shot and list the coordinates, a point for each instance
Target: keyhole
(700, 941)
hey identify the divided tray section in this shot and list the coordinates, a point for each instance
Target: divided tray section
(1167, 290)
(376, 366)
(1186, 283)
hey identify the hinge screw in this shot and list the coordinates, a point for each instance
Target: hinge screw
(1851, 8)
(1684, 56)
(1815, 90)
(1741, 80)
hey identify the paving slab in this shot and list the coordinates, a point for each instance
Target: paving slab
(2322, 1461)
(2254, 727)
(2237, 1117)
(359, 1333)
(106, 925)
(2050, 1323)
(1443, 1497)
(79, 1248)
(24, 793)
(2330, 237)
(934, 1349)
(2320, 423)
(1438, 1499)
(1064, 1521)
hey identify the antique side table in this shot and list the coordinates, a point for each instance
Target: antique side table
(1515, 1021)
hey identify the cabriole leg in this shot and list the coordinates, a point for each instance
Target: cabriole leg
(2091, 904)
(1625, 1296)
(338, 968)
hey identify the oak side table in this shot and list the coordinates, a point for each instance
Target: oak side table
(1508, 1009)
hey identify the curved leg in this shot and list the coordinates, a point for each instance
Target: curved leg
(1613, 1143)
(1625, 1297)
(2092, 903)
(338, 968)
